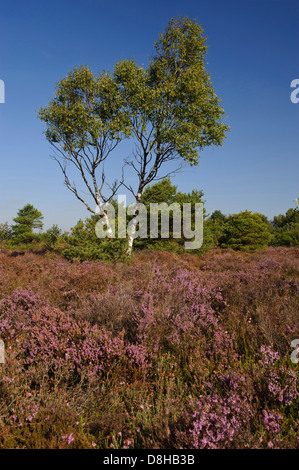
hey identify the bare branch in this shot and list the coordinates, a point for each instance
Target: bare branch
(72, 187)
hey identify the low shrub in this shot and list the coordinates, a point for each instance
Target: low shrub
(165, 351)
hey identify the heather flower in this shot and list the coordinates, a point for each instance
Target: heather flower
(270, 421)
(217, 421)
(69, 437)
(269, 355)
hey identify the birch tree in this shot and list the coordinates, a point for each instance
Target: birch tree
(173, 108)
(169, 109)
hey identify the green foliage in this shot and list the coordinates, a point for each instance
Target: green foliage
(286, 237)
(215, 226)
(84, 123)
(187, 114)
(25, 237)
(107, 250)
(5, 231)
(170, 110)
(246, 231)
(218, 217)
(172, 105)
(84, 245)
(290, 217)
(52, 235)
(84, 232)
(164, 192)
(85, 109)
(286, 227)
(28, 218)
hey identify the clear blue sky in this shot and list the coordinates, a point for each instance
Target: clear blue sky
(253, 58)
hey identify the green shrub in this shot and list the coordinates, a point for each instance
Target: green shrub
(52, 235)
(26, 238)
(246, 231)
(286, 227)
(106, 249)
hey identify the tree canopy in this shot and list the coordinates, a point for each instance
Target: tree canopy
(172, 105)
(84, 123)
(287, 228)
(27, 219)
(169, 110)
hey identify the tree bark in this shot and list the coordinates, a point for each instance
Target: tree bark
(134, 222)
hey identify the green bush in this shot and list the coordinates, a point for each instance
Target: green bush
(246, 231)
(286, 229)
(52, 235)
(26, 238)
(27, 219)
(106, 249)
(214, 228)
(165, 192)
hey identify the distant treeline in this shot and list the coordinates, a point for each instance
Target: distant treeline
(246, 231)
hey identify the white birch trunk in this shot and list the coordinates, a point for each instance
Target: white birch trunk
(104, 221)
(109, 229)
(134, 222)
(131, 236)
